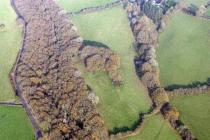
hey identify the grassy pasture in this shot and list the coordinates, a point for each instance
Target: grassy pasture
(10, 43)
(156, 128)
(195, 112)
(207, 13)
(120, 106)
(14, 124)
(184, 50)
(196, 2)
(76, 5)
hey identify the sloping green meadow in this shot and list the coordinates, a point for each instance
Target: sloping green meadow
(76, 5)
(14, 124)
(119, 106)
(156, 128)
(10, 43)
(195, 113)
(184, 50)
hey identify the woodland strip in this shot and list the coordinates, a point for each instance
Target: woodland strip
(51, 88)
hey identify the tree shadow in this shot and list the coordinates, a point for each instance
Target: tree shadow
(192, 85)
(94, 44)
(122, 129)
(135, 125)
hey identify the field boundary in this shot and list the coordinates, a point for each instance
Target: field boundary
(189, 91)
(100, 8)
(148, 69)
(5, 103)
(138, 127)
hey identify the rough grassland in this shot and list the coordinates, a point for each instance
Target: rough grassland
(195, 112)
(184, 50)
(14, 124)
(10, 43)
(75, 5)
(118, 106)
(156, 128)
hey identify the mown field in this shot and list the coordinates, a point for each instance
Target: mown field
(195, 112)
(75, 5)
(156, 128)
(184, 50)
(120, 107)
(14, 124)
(10, 43)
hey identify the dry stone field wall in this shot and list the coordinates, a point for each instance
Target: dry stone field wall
(146, 37)
(46, 78)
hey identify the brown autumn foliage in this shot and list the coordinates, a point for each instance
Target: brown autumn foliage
(47, 79)
(145, 31)
(171, 114)
(102, 59)
(159, 97)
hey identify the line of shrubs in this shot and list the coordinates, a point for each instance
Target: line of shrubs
(189, 91)
(146, 36)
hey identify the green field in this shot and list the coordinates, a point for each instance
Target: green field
(10, 43)
(207, 13)
(14, 124)
(156, 128)
(76, 5)
(196, 2)
(195, 112)
(120, 106)
(184, 50)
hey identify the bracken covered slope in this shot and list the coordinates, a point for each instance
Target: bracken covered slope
(45, 76)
